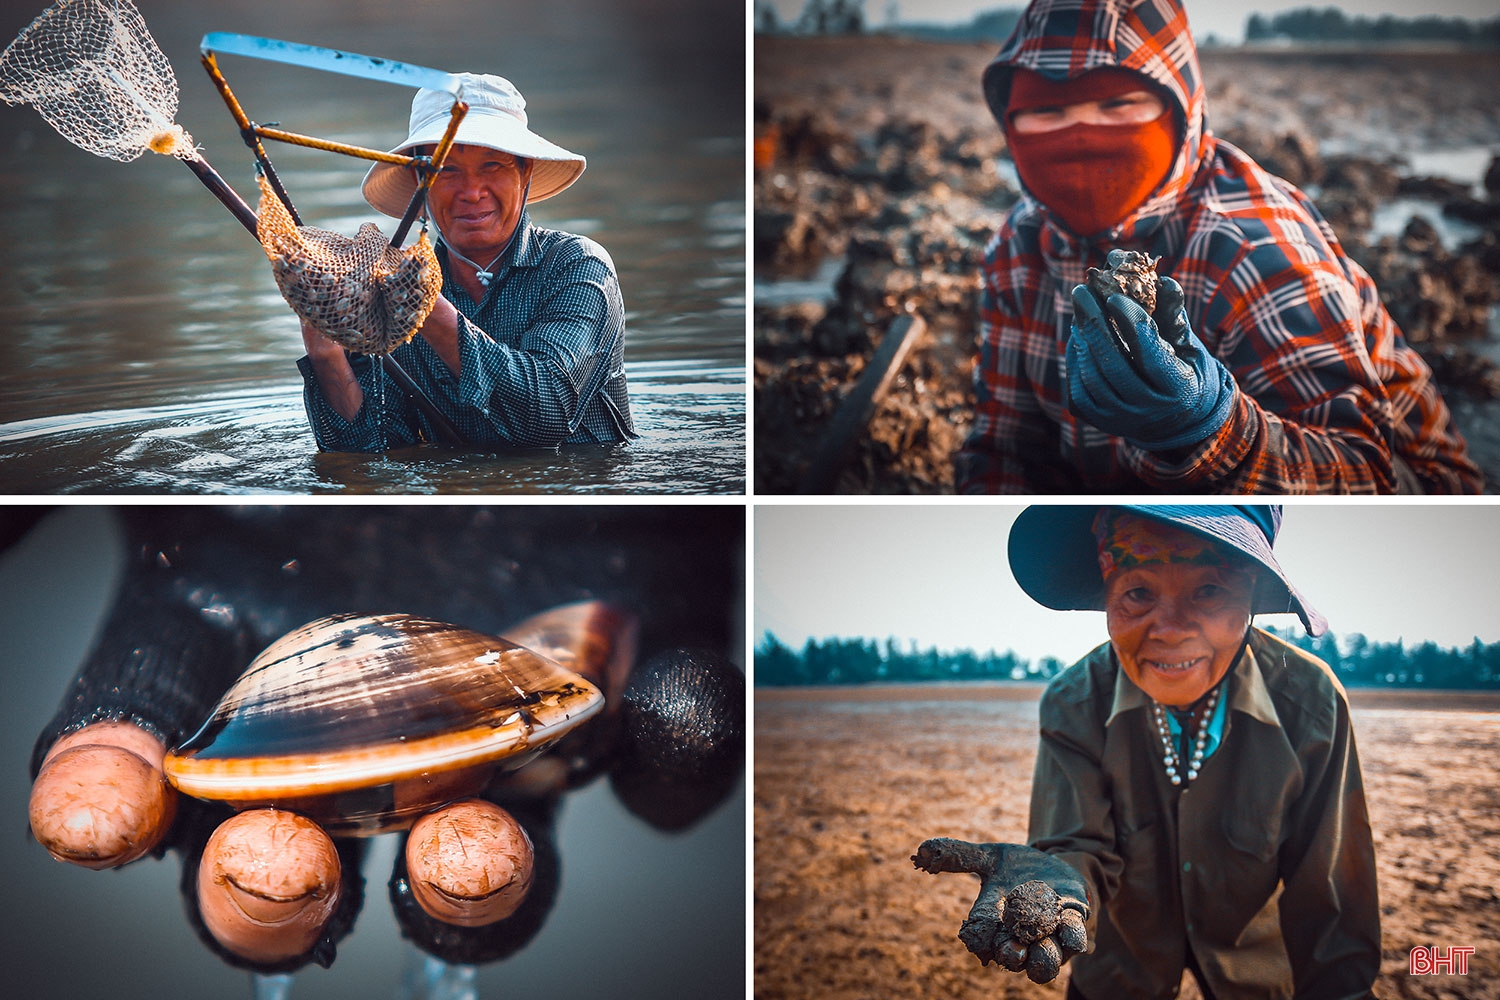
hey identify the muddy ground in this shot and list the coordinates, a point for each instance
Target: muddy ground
(849, 781)
(879, 171)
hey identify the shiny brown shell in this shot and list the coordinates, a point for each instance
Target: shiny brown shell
(595, 639)
(363, 722)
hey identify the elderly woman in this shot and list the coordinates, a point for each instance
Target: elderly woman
(1197, 796)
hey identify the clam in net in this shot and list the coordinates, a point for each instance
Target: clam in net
(97, 76)
(361, 293)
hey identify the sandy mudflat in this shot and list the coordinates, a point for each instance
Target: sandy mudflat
(849, 781)
(877, 156)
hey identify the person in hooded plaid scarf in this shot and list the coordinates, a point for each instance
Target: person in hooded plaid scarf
(1269, 364)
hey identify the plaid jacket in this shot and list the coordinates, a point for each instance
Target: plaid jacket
(1329, 390)
(541, 359)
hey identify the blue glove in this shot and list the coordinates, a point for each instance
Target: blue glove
(1173, 393)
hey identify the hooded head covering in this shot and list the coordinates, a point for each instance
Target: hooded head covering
(1064, 39)
(1091, 175)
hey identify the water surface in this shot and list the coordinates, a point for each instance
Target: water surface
(148, 347)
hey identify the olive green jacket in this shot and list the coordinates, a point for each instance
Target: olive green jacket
(1264, 865)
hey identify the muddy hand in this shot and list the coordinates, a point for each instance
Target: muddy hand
(268, 882)
(469, 863)
(100, 800)
(1037, 926)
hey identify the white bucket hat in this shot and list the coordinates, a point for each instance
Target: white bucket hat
(496, 119)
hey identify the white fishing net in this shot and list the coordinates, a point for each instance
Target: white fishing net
(97, 76)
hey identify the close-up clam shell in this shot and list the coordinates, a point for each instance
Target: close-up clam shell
(363, 722)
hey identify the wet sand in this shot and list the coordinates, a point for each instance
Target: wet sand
(848, 781)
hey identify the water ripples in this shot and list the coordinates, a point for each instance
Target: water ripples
(151, 352)
(256, 440)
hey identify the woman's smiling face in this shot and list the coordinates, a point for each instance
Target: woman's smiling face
(1177, 627)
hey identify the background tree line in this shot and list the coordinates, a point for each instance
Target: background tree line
(1329, 24)
(1356, 659)
(1305, 24)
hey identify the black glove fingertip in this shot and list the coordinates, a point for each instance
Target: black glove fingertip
(1168, 293)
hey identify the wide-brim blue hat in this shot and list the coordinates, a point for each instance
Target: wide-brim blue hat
(1055, 558)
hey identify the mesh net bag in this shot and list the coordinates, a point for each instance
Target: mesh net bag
(97, 76)
(361, 293)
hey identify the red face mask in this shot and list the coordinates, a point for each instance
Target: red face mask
(1093, 176)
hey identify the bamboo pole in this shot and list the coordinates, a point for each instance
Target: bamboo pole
(853, 415)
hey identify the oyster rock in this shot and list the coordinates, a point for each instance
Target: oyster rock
(364, 722)
(1043, 961)
(1032, 911)
(1133, 275)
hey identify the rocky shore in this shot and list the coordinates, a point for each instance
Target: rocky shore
(877, 166)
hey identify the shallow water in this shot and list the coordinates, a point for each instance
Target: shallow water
(251, 440)
(149, 350)
(1466, 164)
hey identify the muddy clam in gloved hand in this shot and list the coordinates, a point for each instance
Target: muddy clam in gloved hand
(1135, 368)
(1031, 912)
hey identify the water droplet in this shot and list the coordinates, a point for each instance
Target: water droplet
(218, 613)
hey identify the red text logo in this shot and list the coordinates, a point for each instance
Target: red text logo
(1435, 961)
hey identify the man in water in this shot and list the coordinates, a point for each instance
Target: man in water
(525, 345)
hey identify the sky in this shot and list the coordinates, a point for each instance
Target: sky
(1226, 20)
(938, 575)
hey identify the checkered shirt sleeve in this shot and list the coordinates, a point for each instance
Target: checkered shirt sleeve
(1329, 390)
(541, 360)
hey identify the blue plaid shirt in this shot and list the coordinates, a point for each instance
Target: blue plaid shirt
(541, 359)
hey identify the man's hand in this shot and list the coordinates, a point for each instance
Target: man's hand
(268, 881)
(335, 376)
(1174, 394)
(1003, 925)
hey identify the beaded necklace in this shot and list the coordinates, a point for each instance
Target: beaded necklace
(1171, 759)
